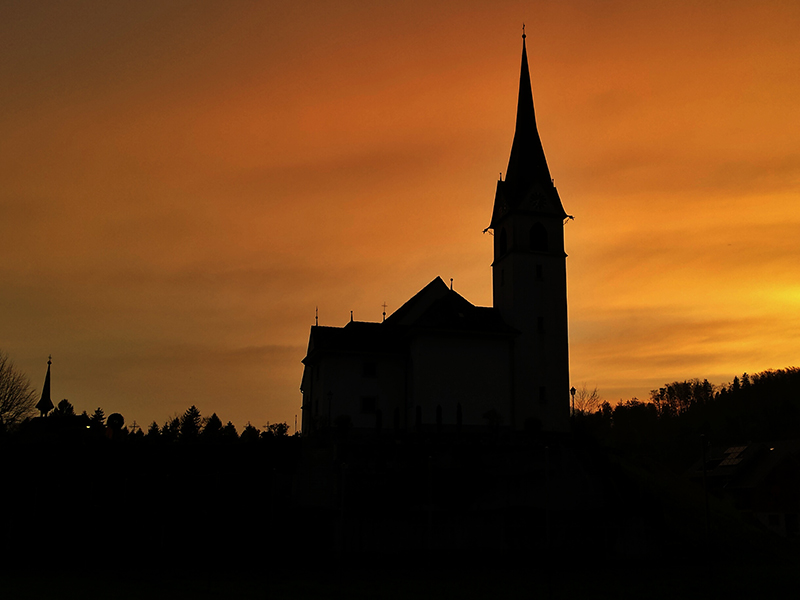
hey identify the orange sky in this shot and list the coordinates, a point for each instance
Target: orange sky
(181, 183)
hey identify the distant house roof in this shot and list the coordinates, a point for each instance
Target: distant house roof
(746, 465)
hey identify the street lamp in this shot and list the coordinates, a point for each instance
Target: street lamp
(572, 391)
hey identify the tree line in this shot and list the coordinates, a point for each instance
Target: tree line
(17, 409)
(190, 427)
(760, 407)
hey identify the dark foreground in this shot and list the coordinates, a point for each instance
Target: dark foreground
(583, 581)
(555, 518)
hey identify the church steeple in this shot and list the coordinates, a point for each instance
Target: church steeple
(529, 277)
(528, 184)
(527, 164)
(45, 404)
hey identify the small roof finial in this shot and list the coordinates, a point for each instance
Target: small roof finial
(451, 284)
(384, 309)
(50, 360)
(351, 316)
(523, 31)
(316, 315)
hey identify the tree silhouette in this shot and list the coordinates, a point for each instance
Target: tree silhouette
(64, 409)
(586, 400)
(98, 416)
(679, 397)
(212, 429)
(274, 430)
(249, 433)
(17, 399)
(761, 407)
(153, 432)
(229, 433)
(190, 424)
(115, 421)
(171, 429)
(115, 426)
(97, 422)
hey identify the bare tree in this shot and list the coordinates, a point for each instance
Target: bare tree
(17, 399)
(587, 401)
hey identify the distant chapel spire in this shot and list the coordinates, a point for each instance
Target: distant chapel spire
(45, 405)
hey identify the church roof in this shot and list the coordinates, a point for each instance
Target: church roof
(434, 309)
(419, 303)
(528, 185)
(356, 336)
(454, 313)
(437, 307)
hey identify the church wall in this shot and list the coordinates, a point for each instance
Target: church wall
(472, 371)
(357, 386)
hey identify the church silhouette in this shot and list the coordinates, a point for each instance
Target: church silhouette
(441, 363)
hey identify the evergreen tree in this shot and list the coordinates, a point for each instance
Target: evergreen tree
(98, 417)
(153, 432)
(97, 422)
(190, 424)
(64, 409)
(249, 433)
(212, 429)
(170, 430)
(229, 433)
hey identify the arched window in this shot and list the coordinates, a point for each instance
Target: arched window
(502, 242)
(538, 238)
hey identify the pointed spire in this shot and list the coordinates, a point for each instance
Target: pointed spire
(527, 165)
(45, 405)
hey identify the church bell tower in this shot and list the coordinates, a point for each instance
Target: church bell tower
(529, 274)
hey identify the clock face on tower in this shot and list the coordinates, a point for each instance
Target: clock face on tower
(538, 201)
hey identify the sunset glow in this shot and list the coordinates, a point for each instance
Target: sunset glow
(182, 184)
